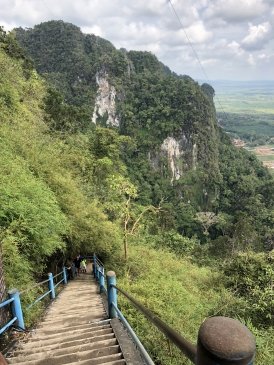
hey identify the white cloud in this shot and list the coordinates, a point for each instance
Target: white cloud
(209, 62)
(236, 10)
(197, 33)
(262, 56)
(251, 60)
(95, 29)
(235, 48)
(257, 36)
(231, 37)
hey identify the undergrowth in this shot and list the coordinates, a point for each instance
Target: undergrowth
(183, 295)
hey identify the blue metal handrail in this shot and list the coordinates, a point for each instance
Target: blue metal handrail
(38, 299)
(134, 336)
(6, 302)
(8, 324)
(15, 301)
(216, 339)
(98, 271)
(60, 273)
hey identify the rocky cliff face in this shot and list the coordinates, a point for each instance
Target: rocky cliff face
(172, 149)
(179, 153)
(105, 101)
(170, 118)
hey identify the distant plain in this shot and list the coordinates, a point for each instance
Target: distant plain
(245, 109)
(245, 97)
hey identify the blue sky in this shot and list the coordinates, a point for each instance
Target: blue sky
(233, 38)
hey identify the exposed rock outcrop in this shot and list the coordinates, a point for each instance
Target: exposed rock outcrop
(105, 101)
(180, 154)
(173, 152)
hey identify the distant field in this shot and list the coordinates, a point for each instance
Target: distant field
(265, 153)
(255, 127)
(250, 97)
(246, 111)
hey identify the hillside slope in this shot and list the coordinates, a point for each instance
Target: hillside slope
(67, 187)
(179, 155)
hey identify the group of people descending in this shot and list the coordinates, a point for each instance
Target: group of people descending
(76, 266)
(80, 264)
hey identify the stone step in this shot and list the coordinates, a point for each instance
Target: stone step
(33, 348)
(73, 348)
(91, 355)
(49, 331)
(84, 318)
(44, 340)
(84, 300)
(73, 308)
(70, 313)
(76, 295)
(115, 359)
(91, 325)
(108, 361)
(116, 362)
(75, 330)
(78, 315)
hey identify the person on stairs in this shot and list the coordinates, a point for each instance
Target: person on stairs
(77, 262)
(83, 265)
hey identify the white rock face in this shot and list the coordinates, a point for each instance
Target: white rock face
(105, 101)
(172, 148)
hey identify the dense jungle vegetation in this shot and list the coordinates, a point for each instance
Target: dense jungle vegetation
(70, 186)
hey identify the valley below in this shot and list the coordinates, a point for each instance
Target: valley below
(245, 110)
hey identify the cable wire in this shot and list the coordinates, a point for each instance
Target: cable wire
(196, 55)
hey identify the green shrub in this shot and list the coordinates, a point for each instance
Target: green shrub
(251, 275)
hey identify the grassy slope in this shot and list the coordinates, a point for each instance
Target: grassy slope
(180, 293)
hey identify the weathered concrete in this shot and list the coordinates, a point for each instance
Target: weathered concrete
(75, 330)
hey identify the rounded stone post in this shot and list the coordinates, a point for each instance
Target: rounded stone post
(112, 294)
(225, 341)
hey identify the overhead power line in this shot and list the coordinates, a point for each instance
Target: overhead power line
(195, 54)
(188, 39)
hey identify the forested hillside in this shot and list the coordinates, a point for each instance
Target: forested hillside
(177, 156)
(107, 150)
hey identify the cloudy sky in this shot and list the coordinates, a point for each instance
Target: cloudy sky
(234, 39)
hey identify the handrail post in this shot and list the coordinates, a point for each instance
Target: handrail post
(223, 340)
(16, 308)
(65, 275)
(51, 286)
(98, 269)
(94, 266)
(102, 281)
(112, 294)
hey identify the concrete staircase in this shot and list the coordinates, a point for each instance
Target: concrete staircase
(75, 330)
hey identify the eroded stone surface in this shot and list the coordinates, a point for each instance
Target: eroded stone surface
(105, 101)
(181, 154)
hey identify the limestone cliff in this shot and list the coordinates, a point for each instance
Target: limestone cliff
(171, 147)
(180, 153)
(105, 101)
